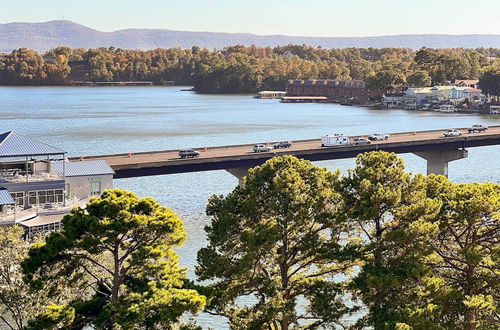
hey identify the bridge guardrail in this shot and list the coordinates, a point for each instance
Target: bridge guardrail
(126, 155)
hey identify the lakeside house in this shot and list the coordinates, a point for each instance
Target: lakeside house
(413, 98)
(38, 186)
(472, 83)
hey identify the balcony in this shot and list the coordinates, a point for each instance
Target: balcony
(19, 176)
(18, 214)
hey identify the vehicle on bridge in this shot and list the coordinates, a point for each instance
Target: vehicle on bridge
(334, 140)
(452, 133)
(358, 141)
(283, 144)
(477, 128)
(261, 148)
(379, 137)
(189, 153)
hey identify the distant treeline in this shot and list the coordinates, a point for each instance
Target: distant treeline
(249, 69)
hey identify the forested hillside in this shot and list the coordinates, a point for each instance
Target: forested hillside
(46, 35)
(249, 69)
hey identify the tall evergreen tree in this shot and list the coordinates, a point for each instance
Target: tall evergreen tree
(124, 244)
(278, 239)
(385, 206)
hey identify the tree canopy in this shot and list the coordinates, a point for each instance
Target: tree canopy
(120, 248)
(277, 239)
(425, 251)
(245, 69)
(490, 81)
(18, 302)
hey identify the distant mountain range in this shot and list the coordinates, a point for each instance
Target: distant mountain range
(47, 35)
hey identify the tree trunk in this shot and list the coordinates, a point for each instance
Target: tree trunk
(116, 275)
(470, 312)
(470, 319)
(284, 276)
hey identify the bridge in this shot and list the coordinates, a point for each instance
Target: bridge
(237, 159)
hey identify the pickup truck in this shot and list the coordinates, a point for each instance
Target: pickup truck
(452, 133)
(378, 137)
(477, 128)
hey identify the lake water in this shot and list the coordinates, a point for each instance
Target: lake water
(102, 120)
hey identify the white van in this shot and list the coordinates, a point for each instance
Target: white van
(334, 140)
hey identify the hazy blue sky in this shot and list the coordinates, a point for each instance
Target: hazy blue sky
(291, 17)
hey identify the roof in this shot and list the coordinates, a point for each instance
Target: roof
(466, 81)
(82, 168)
(419, 90)
(40, 220)
(473, 90)
(6, 198)
(13, 144)
(442, 88)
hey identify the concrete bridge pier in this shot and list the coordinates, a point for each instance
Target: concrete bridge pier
(437, 161)
(239, 173)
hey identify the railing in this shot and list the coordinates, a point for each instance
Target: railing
(13, 176)
(21, 214)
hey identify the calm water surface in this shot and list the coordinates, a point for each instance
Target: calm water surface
(102, 120)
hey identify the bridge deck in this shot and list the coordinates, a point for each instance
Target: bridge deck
(225, 157)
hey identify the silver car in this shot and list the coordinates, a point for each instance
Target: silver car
(361, 141)
(452, 133)
(261, 148)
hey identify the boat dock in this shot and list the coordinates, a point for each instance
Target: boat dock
(303, 99)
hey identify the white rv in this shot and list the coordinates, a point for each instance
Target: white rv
(334, 140)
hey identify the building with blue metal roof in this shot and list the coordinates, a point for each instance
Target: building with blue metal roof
(82, 168)
(13, 144)
(6, 201)
(35, 178)
(85, 178)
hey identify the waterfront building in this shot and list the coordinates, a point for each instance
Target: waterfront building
(495, 109)
(85, 178)
(441, 92)
(417, 95)
(471, 83)
(347, 89)
(394, 100)
(41, 182)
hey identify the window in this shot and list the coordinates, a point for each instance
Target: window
(95, 188)
(45, 196)
(18, 197)
(59, 195)
(32, 198)
(51, 196)
(42, 197)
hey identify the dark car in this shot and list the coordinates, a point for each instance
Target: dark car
(282, 144)
(189, 153)
(361, 141)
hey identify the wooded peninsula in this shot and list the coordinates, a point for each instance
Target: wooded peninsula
(239, 69)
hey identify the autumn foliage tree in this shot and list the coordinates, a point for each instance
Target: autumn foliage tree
(247, 69)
